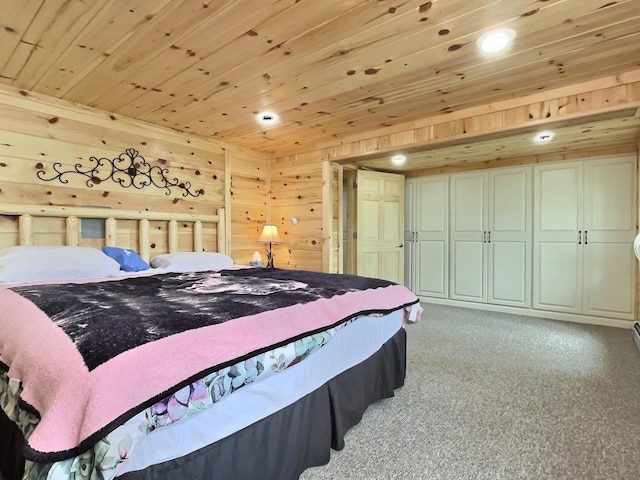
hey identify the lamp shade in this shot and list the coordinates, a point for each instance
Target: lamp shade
(269, 234)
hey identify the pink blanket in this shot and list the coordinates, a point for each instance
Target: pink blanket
(78, 405)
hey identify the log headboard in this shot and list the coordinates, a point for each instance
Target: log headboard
(149, 233)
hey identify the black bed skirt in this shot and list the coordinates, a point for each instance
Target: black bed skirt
(281, 446)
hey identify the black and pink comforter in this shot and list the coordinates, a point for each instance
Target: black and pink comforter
(88, 356)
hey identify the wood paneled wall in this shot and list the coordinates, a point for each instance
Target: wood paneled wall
(332, 201)
(247, 194)
(296, 193)
(37, 132)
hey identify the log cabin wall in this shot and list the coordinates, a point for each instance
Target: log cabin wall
(36, 131)
(332, 228)
(248, 202)
(296, 205)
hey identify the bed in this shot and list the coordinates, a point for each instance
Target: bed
(183, 371)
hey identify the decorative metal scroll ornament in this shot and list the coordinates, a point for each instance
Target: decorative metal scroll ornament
(129, 169)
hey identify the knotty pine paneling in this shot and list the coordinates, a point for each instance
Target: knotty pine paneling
(296, 192)
(37, 131)
(248, 203)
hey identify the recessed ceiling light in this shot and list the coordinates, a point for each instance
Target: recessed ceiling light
(267, 118)
(398, 160)
(496, 40)
(544, 137)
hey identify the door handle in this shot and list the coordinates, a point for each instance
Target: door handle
(579, 237)
(484, 236)
(489, 236)
(400, 245)
(586, 241)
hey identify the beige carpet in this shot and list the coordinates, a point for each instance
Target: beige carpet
(498, 396)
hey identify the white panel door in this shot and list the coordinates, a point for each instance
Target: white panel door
(509, 237)
(432, 242)
(609, 230)
(468, 233)
(557, 255)
(380, 230)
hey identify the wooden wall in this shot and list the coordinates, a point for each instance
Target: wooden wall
(248, 202)
(332, 201)
(296, 192)
(37, 132)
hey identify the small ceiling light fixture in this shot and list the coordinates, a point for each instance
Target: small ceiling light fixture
(496, 40)
(267, 118)
(544, 137)
(398, 160)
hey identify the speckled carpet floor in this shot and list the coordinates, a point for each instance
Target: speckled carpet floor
(498, 396)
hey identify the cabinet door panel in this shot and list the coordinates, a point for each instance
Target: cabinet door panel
(558, 201)
(509, 206)
(432, 206)
(432, 274)
(609, 196)
(509, 242)
(467, 271)
(558, 277)
(609, 279)
(432, 235)
(510, 273)
(467, 230)
(557, 218)
(609, 219)
(468, 195)
(427, 236)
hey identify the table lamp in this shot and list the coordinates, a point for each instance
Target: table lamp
(269, 235)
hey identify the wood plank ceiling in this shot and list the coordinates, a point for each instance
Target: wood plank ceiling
(330, 69)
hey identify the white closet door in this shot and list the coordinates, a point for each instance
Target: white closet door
(467, 231)
(610, 224)
(432, 245)
(557, 256)
(509, 242)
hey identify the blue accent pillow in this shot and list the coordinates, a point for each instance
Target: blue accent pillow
(128, 259)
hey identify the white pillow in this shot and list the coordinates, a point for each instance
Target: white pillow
(39, 263)
(191, 261)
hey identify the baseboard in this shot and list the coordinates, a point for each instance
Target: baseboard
(565, 317)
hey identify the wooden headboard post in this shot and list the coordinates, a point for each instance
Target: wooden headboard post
(73, 215)
(222, 232)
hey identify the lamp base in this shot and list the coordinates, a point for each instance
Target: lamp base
(269, 258)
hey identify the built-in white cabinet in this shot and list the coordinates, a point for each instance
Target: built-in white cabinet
(554, 238)
(490, 237)
(426, 236)
(584, 226)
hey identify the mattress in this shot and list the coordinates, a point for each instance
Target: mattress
(351, 346)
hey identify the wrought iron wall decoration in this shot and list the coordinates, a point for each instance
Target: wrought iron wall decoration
(129, 169)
